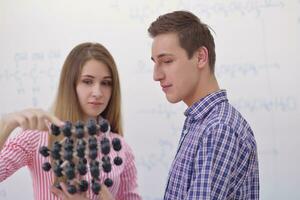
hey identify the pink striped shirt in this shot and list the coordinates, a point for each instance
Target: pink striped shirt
(23, 150)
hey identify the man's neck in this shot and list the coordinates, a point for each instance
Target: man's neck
(207, 85)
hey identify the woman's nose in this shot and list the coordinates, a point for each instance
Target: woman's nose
(96, 91)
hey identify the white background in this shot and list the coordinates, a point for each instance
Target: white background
(257, 44)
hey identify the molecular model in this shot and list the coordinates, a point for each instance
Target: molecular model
(78, 149)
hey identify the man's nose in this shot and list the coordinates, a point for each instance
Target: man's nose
(158, 73)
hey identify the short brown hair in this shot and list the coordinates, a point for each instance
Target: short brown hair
(192, 33)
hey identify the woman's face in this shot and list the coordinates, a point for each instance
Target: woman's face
(94, 88)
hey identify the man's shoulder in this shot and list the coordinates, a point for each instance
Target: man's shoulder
(225, 118)
(227, 115)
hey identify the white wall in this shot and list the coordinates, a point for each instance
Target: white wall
(257, 62)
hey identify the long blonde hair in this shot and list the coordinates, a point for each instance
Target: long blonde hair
(66, 105)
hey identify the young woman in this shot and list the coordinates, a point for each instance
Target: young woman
(89, 88)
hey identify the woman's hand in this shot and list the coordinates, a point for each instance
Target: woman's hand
(34, 119)
(105, 194)
(65, 195)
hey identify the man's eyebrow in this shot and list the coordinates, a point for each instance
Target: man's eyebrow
(162, 55)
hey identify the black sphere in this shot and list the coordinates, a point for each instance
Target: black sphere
(70, 172)
(67, 129)
(106, 167)
(93, 154)
(68, 155)
(118, 160)
(44, 151)
(55, 130)
(83, 186)
(116, 142)
(96, 187)
(95, 171)
(92, 143)
(105, 146)
(72, 189)
(57, 170)
(80, 151)
(82, 169)
(92, 127)
(55, 154)
(56, 146)
(79, 133)
(46, 166)
(108, 182)
(103, 125)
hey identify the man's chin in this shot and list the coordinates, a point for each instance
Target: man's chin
(172, 99)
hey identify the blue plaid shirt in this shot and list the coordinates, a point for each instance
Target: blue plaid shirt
(217, 157)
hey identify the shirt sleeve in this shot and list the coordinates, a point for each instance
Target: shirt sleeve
(17, 152)
(220, 165)
(128, 178)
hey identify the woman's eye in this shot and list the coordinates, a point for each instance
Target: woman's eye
(106, 83)
(88, 82)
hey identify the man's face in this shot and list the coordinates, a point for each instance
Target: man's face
(178, 75)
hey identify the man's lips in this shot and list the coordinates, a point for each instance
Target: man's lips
(165, 87)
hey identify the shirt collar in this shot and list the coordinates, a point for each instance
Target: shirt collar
(202, 107)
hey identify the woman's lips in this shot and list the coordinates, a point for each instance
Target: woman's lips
(95, 103)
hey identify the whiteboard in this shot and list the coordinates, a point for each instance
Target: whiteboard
(257, 45)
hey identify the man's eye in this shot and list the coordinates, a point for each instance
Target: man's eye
(168, 61)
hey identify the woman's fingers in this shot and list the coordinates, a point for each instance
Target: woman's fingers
(32, 120)
(43, 119)
(36, 119)
(22, 121)
(57, 192)
(65, 190)
(54, 120)
(65, 195)
(105, 194)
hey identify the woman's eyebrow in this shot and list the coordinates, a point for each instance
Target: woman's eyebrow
(87, 75)
(107, 77)
(91, 76)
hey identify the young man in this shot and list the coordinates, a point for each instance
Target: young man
(217, 155)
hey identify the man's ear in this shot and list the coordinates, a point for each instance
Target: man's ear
(202, 57)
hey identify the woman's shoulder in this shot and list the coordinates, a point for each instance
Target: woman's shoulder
(116, 135)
